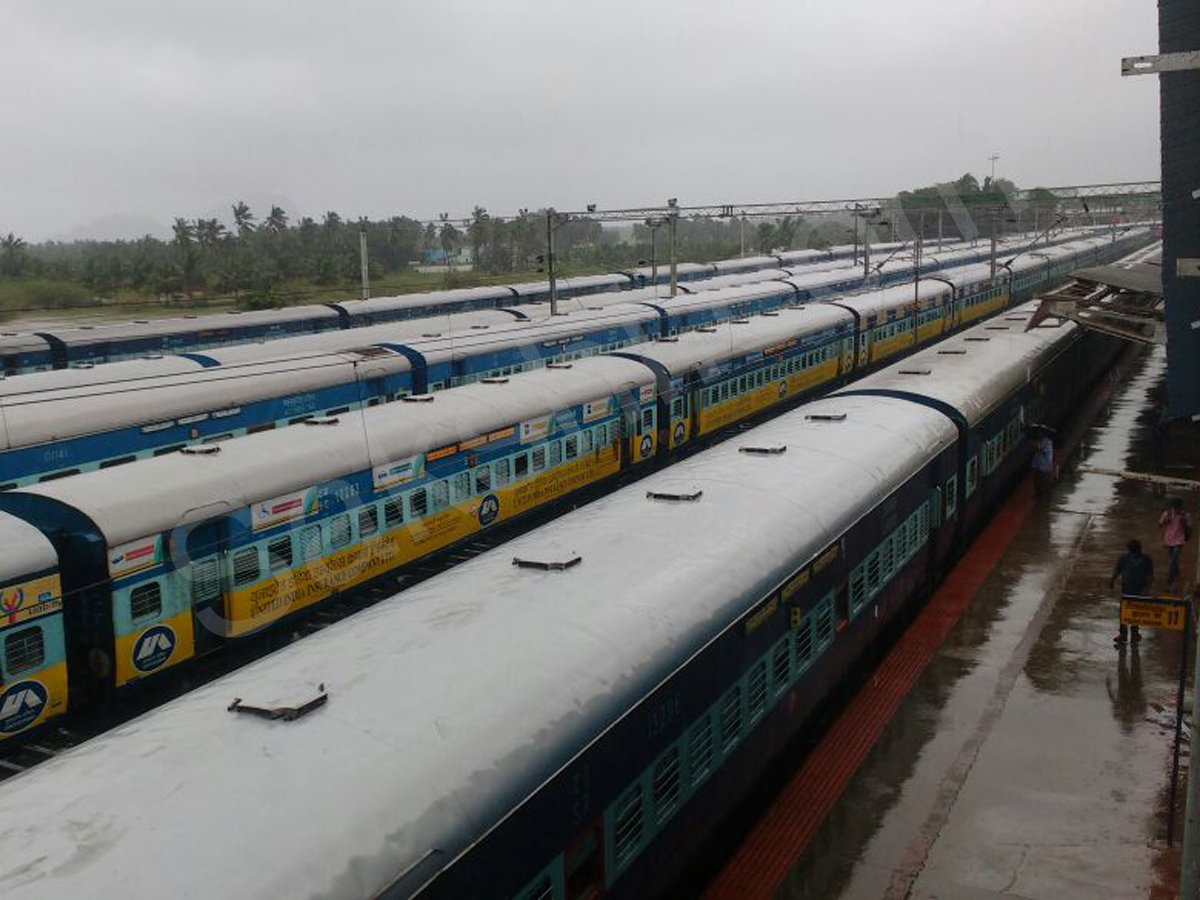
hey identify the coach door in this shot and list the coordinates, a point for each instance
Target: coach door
(207, 544)
(583, 865)
(630, 413)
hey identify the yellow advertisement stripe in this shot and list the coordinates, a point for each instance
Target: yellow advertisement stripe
(253, 607)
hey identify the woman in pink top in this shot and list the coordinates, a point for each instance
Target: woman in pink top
(1175, 526)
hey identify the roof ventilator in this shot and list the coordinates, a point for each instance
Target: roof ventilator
(547, 565)
(480, 327)
(286, 713)
(667, 339)
(769, 312)
(977, 340)
(997, 327)
(200, 450)
(739, 321)
(826, 417)
(497, 380)
(322, 420)
(705, 329)
(764, 451)
(431, 334)
(952, 353)
(914, 371)
(673, 497)
(558, 365)
(417, 398)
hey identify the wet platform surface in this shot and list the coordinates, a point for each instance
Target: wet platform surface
(1031, 758)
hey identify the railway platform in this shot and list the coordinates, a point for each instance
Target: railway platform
(1004, 749)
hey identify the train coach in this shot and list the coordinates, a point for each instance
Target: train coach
(87, 345)
(569, 718)
(452, 484)
(56, 424)
(33, 668)
(84, 345)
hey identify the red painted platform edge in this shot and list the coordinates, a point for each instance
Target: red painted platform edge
(779, 838)
(771, 848)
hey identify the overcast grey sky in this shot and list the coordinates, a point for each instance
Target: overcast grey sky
(121, 113)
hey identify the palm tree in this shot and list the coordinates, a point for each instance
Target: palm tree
(243, 219)
(277, 220)
(12, 255)
(209, 233)
(449, 236)
(184, 233)
(477, 232)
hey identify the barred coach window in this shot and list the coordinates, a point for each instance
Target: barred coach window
(24, 650)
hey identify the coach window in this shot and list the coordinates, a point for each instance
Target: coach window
(483, 479)
(648, 418)
(368, 521)
(462, 485)
(145, 600)
(206, 580)
(393, 511)
(951, 495)
(972, 475)
(502, 472)
(279, 553)
(585, 441)
(24, 650)
(418, 504)
(339, 531)
(310, 542)
(520, 465)
(571, 447)
(731, 719)
(119, 461)
(245, 566)
(439, 495)
(54, 476)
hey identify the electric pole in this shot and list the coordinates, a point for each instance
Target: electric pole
(362, 258)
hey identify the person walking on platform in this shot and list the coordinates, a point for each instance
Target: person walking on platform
(1176, 529)
(1136, 571)
(1043, 460)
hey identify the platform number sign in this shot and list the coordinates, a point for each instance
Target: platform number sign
(1151, 612)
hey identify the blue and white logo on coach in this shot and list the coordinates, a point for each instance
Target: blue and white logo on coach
(21, 705)
(153, 648)
(489, 508)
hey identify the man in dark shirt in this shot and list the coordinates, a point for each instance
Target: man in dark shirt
(1136, 571)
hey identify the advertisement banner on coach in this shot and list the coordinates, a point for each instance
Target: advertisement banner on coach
(135, 555)
(284, 508)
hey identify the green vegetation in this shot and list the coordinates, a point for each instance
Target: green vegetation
(273, 262)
